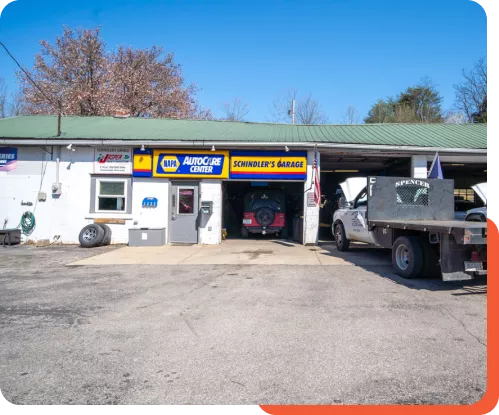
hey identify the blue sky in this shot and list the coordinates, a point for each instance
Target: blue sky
(342, 52)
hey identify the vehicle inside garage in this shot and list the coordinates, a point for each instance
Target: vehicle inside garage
(264, 204)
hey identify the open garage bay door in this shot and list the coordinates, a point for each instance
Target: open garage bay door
(258, 209)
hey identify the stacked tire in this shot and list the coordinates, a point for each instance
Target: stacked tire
(95, 234)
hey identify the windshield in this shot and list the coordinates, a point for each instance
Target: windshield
(257, 200)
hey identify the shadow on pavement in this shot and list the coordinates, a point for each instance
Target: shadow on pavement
(378, 261)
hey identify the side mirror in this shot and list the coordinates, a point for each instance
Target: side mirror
(342, 203)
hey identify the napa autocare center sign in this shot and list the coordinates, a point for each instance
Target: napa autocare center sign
(268, 165)
(191, 164)
(110, 160)
(8, 158)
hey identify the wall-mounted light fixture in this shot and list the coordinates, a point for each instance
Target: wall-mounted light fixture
(213, 148)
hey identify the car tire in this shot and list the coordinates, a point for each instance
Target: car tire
(265, 216)
(407, 256)
(431, 267)
(107, 234)
(244, 232)
(91, 236)
(340, 237)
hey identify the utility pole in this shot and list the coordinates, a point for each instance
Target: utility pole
(59, 110)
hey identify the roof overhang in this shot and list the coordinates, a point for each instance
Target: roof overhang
(371, 148)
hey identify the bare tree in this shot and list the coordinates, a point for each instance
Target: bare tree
(351, 115)
(471, 93)
(454, 117)
(235, 110)
(280, 109)
(3, 98)
(16, 105)
(309, 112)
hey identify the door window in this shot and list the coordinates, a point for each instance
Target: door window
(185, 201)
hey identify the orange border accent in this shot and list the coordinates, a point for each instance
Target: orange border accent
(483, 406)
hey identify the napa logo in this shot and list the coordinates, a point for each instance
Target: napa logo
(170, 164)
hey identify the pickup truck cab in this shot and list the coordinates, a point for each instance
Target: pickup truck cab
(349, 221)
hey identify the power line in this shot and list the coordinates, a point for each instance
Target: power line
(26, 73)
(58, 104)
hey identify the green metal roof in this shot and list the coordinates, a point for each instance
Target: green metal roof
(469, 136)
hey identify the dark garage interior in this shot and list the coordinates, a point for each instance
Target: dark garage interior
(233, 193)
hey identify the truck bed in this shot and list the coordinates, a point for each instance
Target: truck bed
(448, 226)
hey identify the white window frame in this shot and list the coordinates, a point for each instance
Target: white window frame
(97, 195)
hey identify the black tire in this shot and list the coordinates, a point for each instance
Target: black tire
(265, 216)
(107, 234)
(91, 236)
(431, 267)
(407, 256)
(244, 232)
(340, 237)
(284, 233)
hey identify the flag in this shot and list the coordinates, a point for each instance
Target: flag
(316, 175)
(435, 171)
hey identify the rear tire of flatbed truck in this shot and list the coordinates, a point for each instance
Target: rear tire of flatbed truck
(407, 256)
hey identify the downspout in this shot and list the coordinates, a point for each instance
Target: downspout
(57, 163)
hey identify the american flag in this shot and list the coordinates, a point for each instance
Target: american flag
(316, 175)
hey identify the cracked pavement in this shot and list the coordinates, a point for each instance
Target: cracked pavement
(234, 334)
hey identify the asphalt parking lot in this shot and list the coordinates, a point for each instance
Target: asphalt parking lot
(343, 333)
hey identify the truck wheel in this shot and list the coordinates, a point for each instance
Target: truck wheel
(244, 232)
(342, 243)
(107, 234)
(91, 236)
(407, 256)
(431, 268)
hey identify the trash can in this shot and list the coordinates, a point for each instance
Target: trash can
(146, 237)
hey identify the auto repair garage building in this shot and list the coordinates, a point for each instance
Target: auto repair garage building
(187, 179)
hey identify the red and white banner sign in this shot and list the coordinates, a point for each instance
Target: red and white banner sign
(113, 160)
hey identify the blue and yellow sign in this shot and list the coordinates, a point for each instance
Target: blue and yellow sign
(268, 165)
(191, 164)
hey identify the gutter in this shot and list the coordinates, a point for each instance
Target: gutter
(244, 144)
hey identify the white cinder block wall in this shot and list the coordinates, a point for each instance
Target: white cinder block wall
(210, 229)
(62, 216)
(310, 214)
(419, 166)
(147, 217)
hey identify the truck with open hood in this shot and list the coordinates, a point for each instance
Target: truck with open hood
(415, 219)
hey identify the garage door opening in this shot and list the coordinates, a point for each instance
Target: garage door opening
(265, 210)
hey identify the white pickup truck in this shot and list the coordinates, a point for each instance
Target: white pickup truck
(415, 219)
